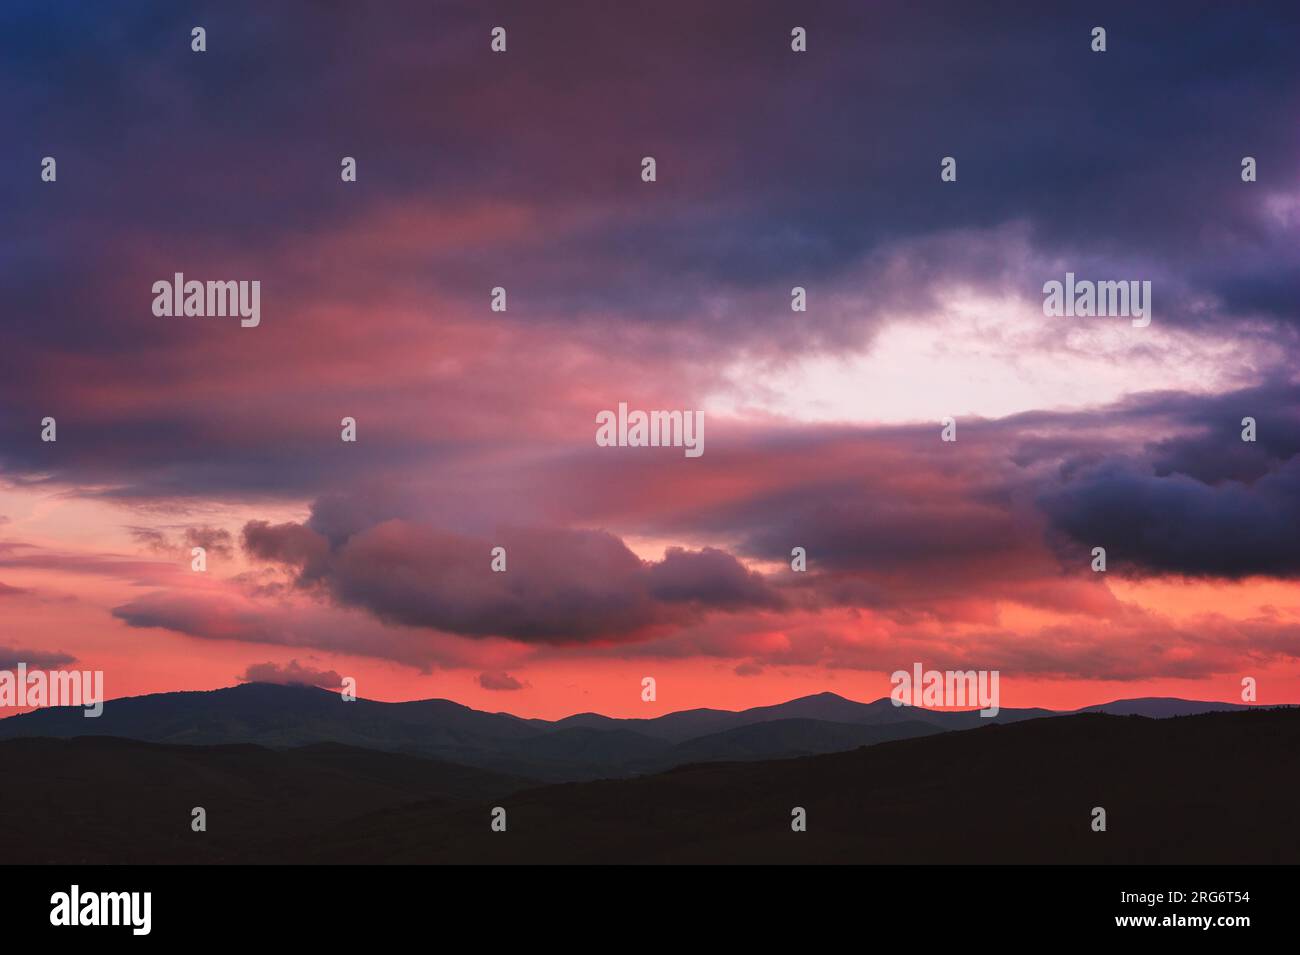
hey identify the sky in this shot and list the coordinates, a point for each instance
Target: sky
(476, 428)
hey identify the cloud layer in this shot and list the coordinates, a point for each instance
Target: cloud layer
(475, 427)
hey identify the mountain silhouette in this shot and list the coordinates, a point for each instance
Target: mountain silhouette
(1161, 707)
(580, 747)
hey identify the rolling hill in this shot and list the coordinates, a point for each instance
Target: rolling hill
(106, 800)
(1213, 788)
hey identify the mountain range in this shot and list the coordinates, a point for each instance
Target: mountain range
(581, 747)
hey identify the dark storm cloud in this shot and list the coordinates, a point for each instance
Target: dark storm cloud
(1185, 494)
(560, 586)
(711, 577)
(1213, 451)
(776, 169)
(773, 164)
(1176, 524)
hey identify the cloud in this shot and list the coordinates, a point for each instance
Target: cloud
(22, 555)
(1130, 643)
(700, 276)
(288, 543)
(894, 522)
(10, 657)
(220, 613)
(215, 540)
(1175, 524)
(291, 673)
(561, 586)
(672, 296)
(500, 680)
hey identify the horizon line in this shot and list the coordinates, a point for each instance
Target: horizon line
(535, 719)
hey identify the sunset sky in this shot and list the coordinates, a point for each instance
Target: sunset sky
(476, 428)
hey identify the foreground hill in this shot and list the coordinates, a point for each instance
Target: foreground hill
(105, 800)
(776, 739)
(1216, 788)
